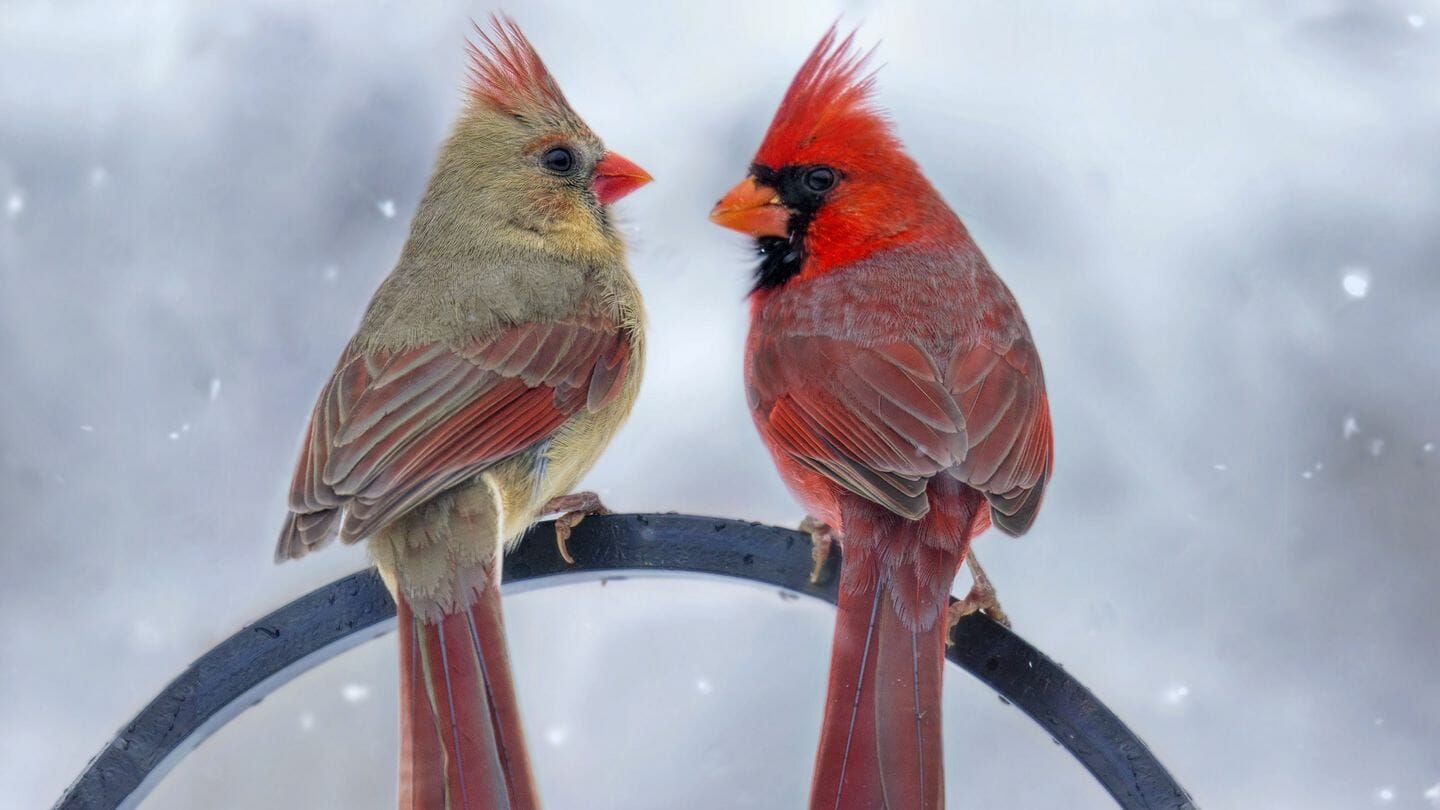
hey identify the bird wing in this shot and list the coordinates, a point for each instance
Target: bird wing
(393, 429)
(880, 421)
(1001, 391)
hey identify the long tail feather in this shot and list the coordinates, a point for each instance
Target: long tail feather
(422, 771)
(462, 744)
(880, 744)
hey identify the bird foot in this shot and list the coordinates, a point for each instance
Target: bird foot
(981, 598)
(573, 508)
(821, 538)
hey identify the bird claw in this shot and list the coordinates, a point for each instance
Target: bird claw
(822, 537)
(981, 599)
(573, 508)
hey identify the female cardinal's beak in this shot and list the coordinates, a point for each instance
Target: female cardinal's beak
(615, 177)
(752, 209)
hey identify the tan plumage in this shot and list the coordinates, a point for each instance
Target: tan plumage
(489, 372)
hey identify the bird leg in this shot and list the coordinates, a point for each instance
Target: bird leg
(573, 508)
(981, 598)
(821, 538)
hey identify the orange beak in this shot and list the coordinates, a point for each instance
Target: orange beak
(615, 177)
(753, 209)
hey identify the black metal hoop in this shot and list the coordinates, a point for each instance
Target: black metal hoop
(265, 655)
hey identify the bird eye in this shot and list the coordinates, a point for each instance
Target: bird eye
(558, 160)
(820, 178)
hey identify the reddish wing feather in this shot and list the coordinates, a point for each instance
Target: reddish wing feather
(881, 421)
(1002, 393)
(877, 421)
(393, 429)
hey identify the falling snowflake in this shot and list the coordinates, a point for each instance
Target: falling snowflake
(1416, 21)
(1385, 794)
(1175, 695)
(88, 428)
(387, 208)
(704, 686)
(354, 692)
(330, 273)
(14, 204)
(98, 176)
(1220, 467)
(1428, 447)
(1350, 428)
(1356, 282)
(556, 735)
(1433, 794)
(307, 721)
(1377, 446)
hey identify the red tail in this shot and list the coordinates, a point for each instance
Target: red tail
(880, 744)
(461, 743)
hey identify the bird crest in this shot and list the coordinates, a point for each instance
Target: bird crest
(829, 102)
(507, 75)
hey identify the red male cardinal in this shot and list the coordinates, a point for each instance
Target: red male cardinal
(491, 369)
(893, 379)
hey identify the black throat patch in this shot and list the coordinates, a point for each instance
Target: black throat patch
(782, 257)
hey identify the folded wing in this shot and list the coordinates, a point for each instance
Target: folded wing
(393, 429)
(880, 421)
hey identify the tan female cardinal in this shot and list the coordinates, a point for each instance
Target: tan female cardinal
(893, 379)
(490, 370)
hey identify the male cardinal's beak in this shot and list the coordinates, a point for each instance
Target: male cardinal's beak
(752, 209)
(615, 177)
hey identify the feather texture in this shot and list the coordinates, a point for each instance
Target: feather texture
(394, 429)
(462, 741)
(921, 385)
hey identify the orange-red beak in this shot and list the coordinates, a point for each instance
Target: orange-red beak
(615, 177)
(753, 209)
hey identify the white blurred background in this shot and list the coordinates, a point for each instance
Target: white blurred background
(1220, 218)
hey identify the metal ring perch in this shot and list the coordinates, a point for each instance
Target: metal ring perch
(267, 654)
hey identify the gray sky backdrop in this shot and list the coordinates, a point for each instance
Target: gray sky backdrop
(1220, 218)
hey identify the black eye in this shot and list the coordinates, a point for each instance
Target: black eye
(558, 160)
(820, 178)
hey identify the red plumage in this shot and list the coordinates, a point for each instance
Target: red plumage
(893, 379)
(828, 116)
(461, 735)
(828, 104)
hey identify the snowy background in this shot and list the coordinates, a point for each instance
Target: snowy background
(1221, 221)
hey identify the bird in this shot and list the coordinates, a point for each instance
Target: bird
(488, 373)
(894, 381)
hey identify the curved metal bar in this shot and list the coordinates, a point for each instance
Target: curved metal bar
(265, 655)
